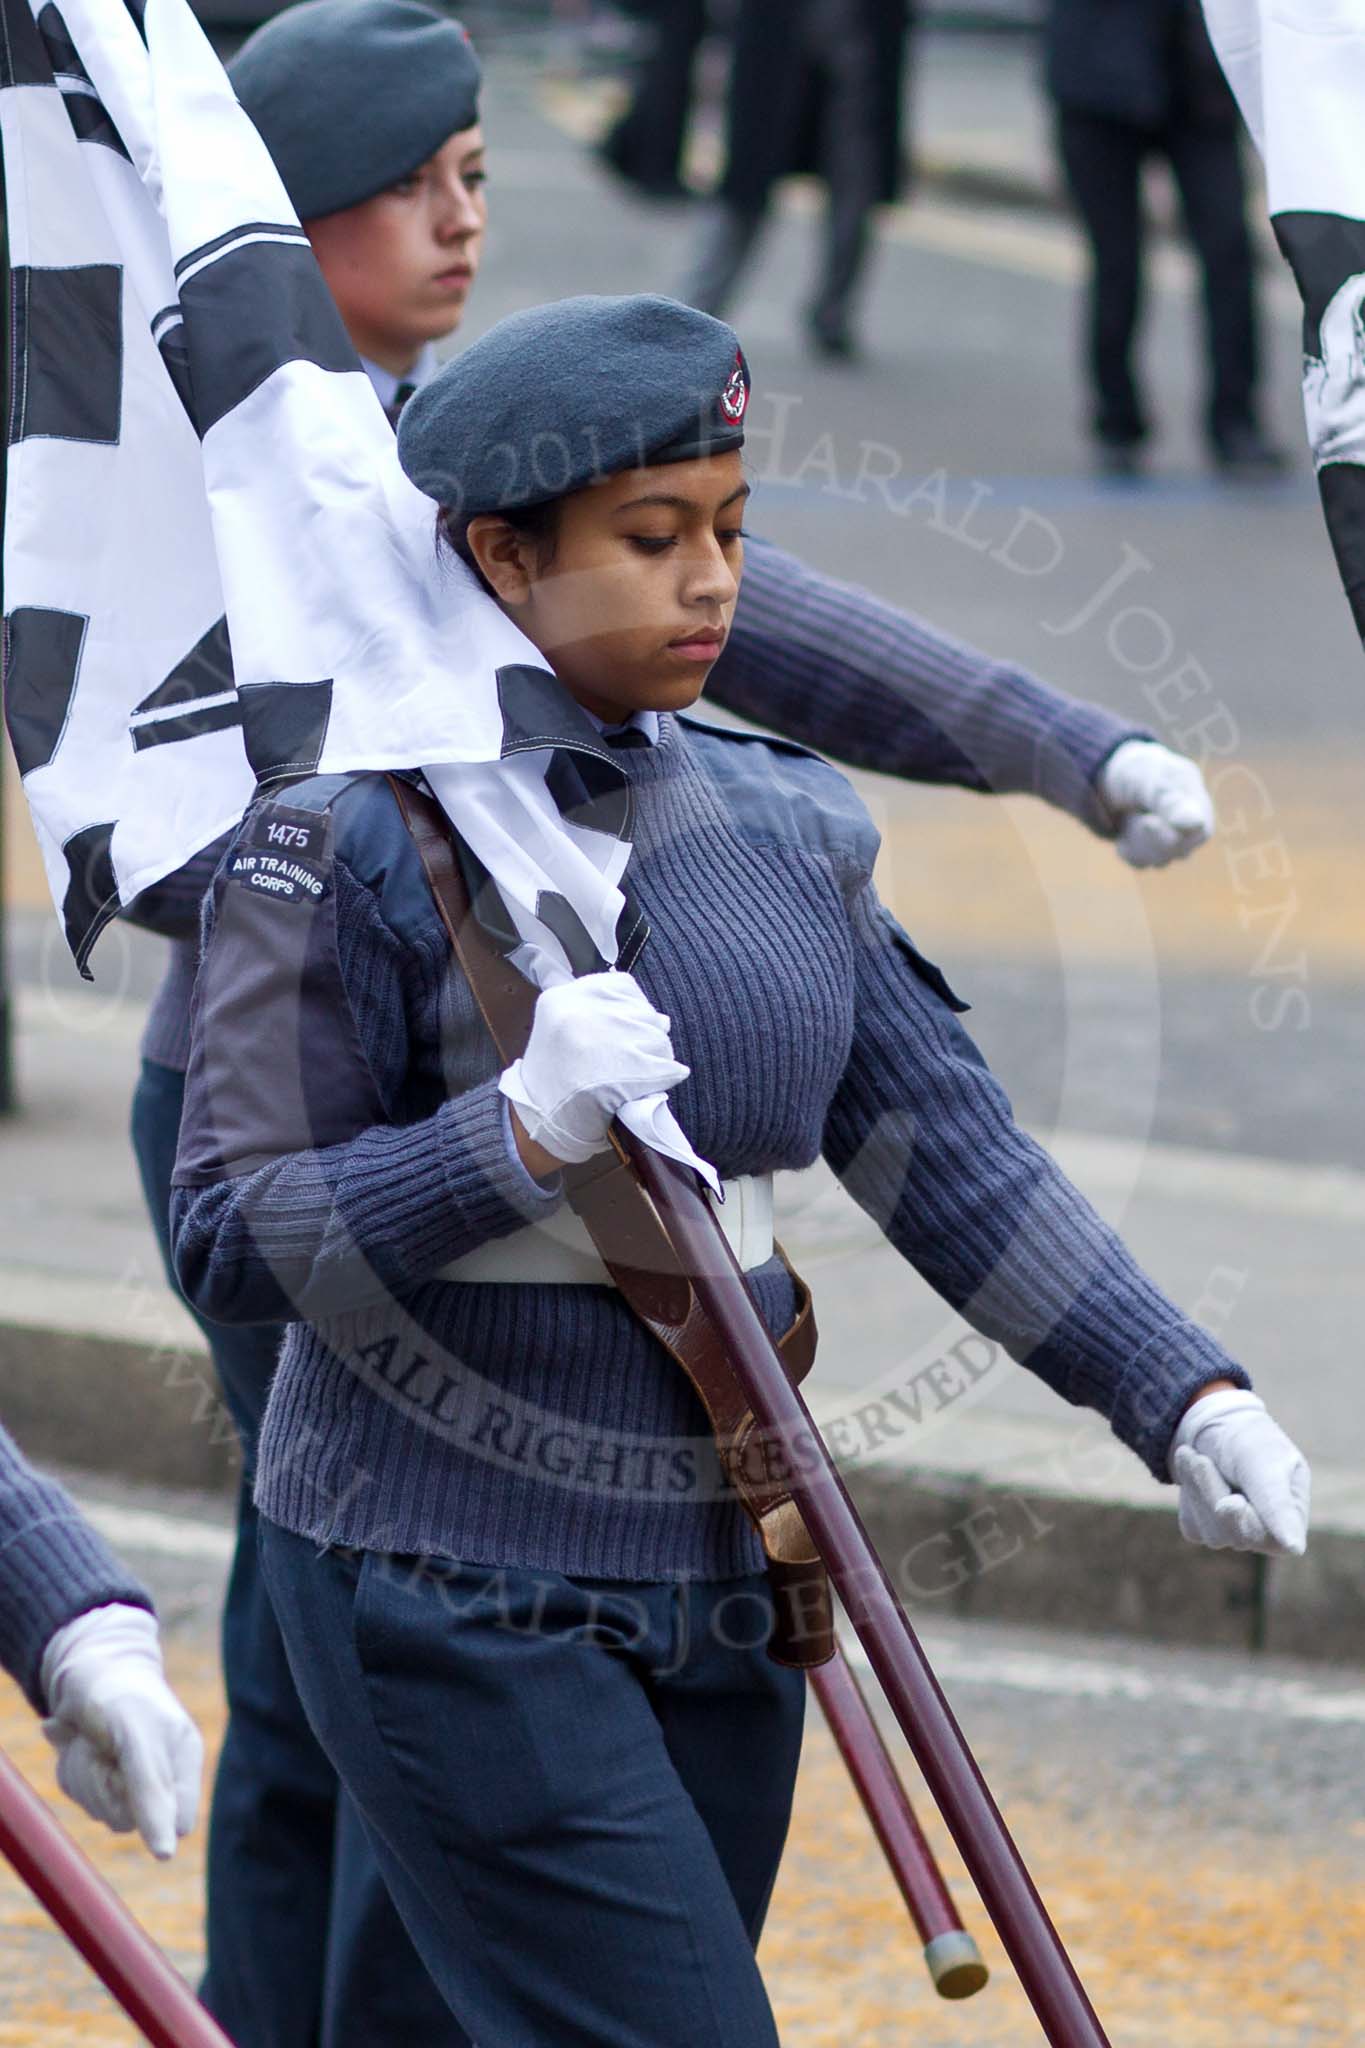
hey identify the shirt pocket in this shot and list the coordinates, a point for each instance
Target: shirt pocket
(932, 976)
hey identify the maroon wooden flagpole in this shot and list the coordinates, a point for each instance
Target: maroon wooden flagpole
(915, 1697)
(122, 1955)
(951, 1955)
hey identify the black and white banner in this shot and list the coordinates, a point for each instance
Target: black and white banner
(1298, 70)
(214, 568)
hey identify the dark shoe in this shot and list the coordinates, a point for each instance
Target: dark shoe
(668, 190)
(1119, 459)
(1243, 451)
(834, 340)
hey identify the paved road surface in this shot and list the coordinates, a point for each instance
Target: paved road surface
(1197, 1831)
(1201, 1845)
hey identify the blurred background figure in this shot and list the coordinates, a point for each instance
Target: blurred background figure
(645, 146)
(1133, 79)
(815, 85)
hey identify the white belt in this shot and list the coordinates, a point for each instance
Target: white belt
(560, 1253)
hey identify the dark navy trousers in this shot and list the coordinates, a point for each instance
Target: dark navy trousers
(305, 1949)
(578, 1790)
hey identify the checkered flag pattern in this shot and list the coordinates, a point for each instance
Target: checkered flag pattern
(215, 571)
(214, 568)
(1298, 70)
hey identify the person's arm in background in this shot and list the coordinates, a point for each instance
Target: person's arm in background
(828, 664)
(78, 1634)
(172, 907)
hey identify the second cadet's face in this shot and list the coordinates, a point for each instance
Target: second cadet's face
(632, 605)
(400, 265)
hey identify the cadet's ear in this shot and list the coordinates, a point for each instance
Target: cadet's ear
(504, 557)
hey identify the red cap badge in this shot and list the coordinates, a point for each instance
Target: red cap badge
(734, 399)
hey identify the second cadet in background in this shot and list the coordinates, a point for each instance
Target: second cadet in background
(370, 109)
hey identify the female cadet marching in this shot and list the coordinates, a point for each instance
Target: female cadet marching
(370, 109)
(511, 1582)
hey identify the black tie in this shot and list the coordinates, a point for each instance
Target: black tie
(627, 736)
(400, 399)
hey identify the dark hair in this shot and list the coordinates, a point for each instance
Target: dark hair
(538, 524)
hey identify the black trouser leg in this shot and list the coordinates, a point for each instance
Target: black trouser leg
(727, 240)
(849, 163)
(1207, 164)
(647, 142)
(305, 1946)
(1103, 165)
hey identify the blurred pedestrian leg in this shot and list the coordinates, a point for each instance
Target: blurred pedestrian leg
(1130, 83)
(847, 148)
(727, 239)
(815, 86)
(1103, 163)
(1207, 165)
(646, 145)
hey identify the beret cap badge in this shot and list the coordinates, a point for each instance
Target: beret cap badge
(562, 396)
(734, 399)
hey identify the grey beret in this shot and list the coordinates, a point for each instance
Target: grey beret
(568, 394)
(352, 95)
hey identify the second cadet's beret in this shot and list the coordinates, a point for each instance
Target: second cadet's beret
(567, 394)
(349, 96)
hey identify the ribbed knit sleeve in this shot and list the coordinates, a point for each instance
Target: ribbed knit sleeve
(304, 1185)
(832, 666)
(53, 1567)
(350, 1226)
(924, 1138)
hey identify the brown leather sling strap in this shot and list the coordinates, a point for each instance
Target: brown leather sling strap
(633, 1245)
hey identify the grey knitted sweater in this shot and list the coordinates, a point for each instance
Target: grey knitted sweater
(344, 1139)
(53, 1567)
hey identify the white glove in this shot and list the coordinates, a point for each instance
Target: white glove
(1160, 800)
(126, 1749)
(596, 1044)
(1243, 1484)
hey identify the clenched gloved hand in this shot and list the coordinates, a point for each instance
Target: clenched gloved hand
(1159, 799)
(1243, 1484)
(126, 1749)
(596, 1044)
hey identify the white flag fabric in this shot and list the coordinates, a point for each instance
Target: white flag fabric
(1298, 70)
(215, 572)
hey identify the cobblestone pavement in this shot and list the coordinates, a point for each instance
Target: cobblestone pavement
(1207, 1899)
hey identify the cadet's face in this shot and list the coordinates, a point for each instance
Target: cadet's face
(400, 265)
(633, 605)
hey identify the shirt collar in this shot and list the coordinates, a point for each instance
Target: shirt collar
(387, 385)
(646, 722)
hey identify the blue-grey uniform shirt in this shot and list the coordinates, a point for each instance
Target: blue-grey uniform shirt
(344, 1139)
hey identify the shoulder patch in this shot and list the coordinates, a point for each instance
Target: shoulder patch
(281, 853)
